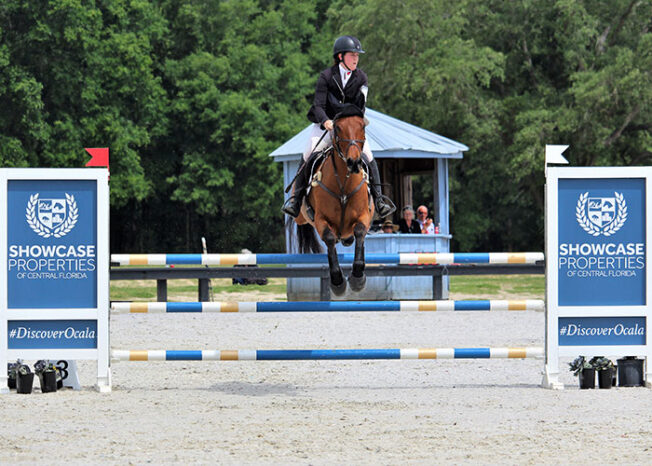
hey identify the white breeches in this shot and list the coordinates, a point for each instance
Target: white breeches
(315, 135)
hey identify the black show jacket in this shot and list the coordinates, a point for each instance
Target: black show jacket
(330, 95)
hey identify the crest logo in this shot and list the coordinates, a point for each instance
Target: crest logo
(601, 215)
(51, 217)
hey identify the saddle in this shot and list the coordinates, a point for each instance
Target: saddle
(315, 162)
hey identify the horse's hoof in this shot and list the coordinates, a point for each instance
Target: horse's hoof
(357, 283)
(348, 241)
(338, 290)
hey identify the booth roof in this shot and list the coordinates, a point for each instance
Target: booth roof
(389, 138)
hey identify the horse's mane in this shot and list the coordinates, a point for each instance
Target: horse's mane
(349, 110)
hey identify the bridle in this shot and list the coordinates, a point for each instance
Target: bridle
(358, 143)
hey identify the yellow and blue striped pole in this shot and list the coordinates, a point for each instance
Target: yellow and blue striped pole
(268, 259)
(330, 306)
(326, 354)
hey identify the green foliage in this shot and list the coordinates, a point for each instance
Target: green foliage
(578, 365)
(81, 75)
(576, 72)
(506, 78)
(237, 92)
(600, 363)
(192, 95)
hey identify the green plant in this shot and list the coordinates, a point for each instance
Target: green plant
(22, 369)
(579, 364)
(600, 363)
(43, 366)
(11, 369)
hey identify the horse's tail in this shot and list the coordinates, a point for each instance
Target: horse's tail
(305, 236)
(308, 241)
(292, 238)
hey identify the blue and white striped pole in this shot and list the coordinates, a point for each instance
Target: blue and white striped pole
(269, 259)
(329, 306)
(326, 354)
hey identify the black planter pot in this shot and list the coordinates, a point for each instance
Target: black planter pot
(11, 376)
(630, 372)
(24, 383)
(605, 378)
(48, 381)
(587, 378)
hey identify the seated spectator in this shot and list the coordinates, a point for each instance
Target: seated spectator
(407, 224)
(248, 281)
(426, 224)
(388, 227)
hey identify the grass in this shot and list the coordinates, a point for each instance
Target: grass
(122, 292)
(145, 290)
(504, 286)
(462, 287)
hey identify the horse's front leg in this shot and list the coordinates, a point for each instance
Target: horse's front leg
(338, 284)
(358, 279)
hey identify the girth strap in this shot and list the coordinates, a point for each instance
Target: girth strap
(343, 197)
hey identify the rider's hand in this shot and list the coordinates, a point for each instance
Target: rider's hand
(328, 124)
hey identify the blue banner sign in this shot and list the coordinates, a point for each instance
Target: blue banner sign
(52, 334)
(602, 331)
(52, 244)
(601, 255)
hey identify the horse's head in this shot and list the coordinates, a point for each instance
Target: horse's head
(349, 139)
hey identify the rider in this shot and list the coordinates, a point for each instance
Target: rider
(343, 83)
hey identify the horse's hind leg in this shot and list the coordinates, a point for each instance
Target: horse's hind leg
(358, 279)
(338, 284)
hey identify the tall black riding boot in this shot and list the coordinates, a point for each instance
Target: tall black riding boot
(292, 206)
(384, 205)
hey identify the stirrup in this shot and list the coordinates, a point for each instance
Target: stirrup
(387, 202)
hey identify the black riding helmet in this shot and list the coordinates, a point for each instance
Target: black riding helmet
(346, 44)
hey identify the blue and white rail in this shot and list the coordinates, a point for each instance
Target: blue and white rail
(329, 306)
(326, 354)
(268, 259)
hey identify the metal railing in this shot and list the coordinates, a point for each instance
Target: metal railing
(205, 274)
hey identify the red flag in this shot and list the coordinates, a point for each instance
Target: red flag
(100, 157)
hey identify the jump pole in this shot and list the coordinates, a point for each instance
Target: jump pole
(328, 306)
(326, 354)
(270, 259)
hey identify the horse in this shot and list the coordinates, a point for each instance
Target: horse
(338, 205)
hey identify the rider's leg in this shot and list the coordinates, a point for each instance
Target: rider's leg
(384, 205)
(292, 206)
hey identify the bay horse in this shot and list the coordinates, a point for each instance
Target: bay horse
(340, 199)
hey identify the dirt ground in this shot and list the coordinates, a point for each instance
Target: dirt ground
(327, 412)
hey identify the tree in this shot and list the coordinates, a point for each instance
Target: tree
(81, 75)
(237, 85)
(506, 78)
(192, 95)
(424, 70)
